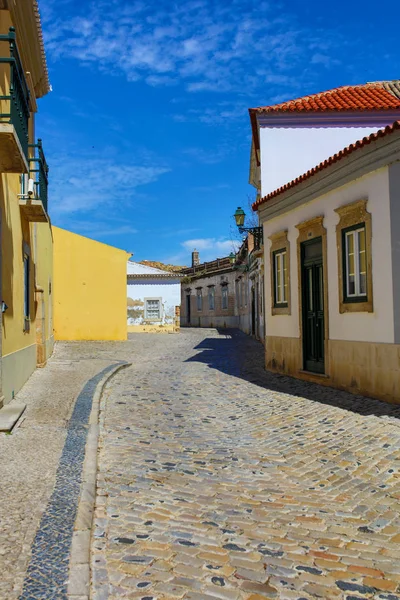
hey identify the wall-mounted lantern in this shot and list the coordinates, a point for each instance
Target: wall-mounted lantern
(257, 232)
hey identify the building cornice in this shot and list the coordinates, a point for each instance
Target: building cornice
(155, 276)
(370, 118)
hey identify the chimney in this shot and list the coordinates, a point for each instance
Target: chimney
(195, 258)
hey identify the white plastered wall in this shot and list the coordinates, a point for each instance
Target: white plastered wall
(287, 153)
(366, 327)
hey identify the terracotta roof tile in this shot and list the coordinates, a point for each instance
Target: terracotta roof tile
(329, 161)
(379, 95)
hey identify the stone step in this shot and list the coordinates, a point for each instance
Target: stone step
(9, 415)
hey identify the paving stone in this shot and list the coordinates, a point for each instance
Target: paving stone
(32, 455)
(241, 484)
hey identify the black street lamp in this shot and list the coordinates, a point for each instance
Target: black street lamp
(240, 216)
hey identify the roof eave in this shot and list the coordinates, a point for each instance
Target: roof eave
(25, 16)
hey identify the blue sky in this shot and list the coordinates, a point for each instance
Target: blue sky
(147, 131)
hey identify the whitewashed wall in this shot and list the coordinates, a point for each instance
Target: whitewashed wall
(287, 153)
(367, 327)
(168, 290)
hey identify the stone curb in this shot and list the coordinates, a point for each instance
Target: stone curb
(79, 564)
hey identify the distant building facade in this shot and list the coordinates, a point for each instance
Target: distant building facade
(226, 292)
(153, 299)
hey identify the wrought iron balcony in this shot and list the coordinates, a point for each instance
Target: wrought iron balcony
(14, 107)
(33, 200)
(39, 172)
(258, 238)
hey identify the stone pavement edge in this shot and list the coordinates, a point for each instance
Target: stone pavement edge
(30, 457)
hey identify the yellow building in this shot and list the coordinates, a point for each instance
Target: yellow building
(89, 289)
(26, 239)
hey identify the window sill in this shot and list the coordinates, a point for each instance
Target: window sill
(319, 375)
(356, 306)
(282, 310)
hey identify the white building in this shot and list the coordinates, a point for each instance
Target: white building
(332, 270)
(154, 297)
(292, 137)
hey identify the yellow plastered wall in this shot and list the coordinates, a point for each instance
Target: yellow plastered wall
(14, 232)
(89, 289)
(24, 345)
(43, 255)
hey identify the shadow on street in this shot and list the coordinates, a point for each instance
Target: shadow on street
(239, 355)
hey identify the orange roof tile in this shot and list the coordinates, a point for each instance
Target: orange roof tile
(378, 95)
(329, 161)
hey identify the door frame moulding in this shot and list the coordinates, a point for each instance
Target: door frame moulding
(308, 230)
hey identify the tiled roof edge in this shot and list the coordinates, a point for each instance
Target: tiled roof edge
(41, 44)
(389, 86)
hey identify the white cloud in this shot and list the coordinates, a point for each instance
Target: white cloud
(85, 183)
(210, 46)
(210, 248)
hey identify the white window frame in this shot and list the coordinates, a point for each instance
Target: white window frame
(280, 290)
(357, 273)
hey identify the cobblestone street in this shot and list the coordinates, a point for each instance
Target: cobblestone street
(219, 480)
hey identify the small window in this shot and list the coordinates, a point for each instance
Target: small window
(153, 309)
(199, 300)
(280, 279)
(355, 264)
(224, 296)
(211, 298)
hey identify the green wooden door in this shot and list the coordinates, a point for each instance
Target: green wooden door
(313, 306)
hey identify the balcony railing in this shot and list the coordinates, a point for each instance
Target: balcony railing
(218, 264)
(39, 172)
(258, 239)
(14, 101)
